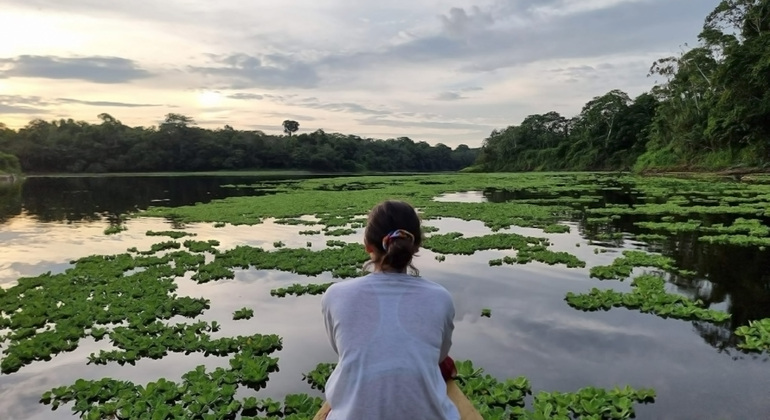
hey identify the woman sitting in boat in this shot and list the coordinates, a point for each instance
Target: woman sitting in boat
(391, 329)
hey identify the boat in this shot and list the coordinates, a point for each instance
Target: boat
(464, 405)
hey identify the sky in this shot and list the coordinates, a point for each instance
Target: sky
(433, 70)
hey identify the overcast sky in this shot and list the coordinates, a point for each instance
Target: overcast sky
(433, 70)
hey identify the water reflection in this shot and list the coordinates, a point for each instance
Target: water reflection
(83, 199)
(10, 200)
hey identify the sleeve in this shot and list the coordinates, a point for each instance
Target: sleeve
(449, 326)
(328, 320)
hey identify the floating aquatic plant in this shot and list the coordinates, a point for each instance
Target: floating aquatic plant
(161, 246)
(648, 296)
(319, 375)
(173, 234)
(428, 229)
(739, 240)
(201, 246)
(295, 222)
(342, 261)
(556, 228)
(339, 232)
(156, 340)
(97, 290)
(299, 290)
(621, 268)
(456, 243)
(486, 312)
(243, 313)
(756, 336)
(650, 237)
(115, 229)
(607, 236)
(201, 394)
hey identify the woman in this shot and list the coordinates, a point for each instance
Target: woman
(390, 330)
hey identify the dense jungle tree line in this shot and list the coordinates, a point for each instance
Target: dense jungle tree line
(710, 111)
(178, 145)
(9, 164)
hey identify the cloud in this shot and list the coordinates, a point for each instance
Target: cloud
(288, 116)
(441, 125)
(459, 22)
(313, 102)
(94, 69)
(17, 104)
(13, 109)
(526, 32)
(348, 107)
(269, 71)
(449, 96)
(104, 103)
(246, 96)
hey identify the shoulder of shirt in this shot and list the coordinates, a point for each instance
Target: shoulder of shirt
(342, 285)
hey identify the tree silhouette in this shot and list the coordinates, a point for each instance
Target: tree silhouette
(290, 127)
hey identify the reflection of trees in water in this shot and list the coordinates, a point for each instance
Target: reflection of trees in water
(10, 200)
(721, 337)
(74, 199)
(92, 198)
(738, 277)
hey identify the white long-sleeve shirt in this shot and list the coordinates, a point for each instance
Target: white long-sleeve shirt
(390, 331)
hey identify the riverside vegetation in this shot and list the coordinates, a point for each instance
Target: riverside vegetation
(127, 299)
(709, 110)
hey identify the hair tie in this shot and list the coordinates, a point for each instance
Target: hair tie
(400, 233)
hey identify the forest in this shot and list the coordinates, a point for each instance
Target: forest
(710, 111)
(177, 144)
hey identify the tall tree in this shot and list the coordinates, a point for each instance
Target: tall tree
(290, 127)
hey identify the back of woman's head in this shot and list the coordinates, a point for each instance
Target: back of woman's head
(393, 232)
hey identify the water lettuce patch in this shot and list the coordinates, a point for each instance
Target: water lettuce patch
(621, 268)
(200, 394)
(648, 296)
(173, 234)
(300, 289)
(115, 229)
(529, 248)
(243, 313)
(49, 314)
(756, 335)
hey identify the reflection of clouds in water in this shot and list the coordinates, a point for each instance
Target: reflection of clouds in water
(462, 197)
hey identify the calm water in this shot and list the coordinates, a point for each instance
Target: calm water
(695, 368)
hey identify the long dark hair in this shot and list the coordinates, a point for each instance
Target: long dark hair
(399, 223)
